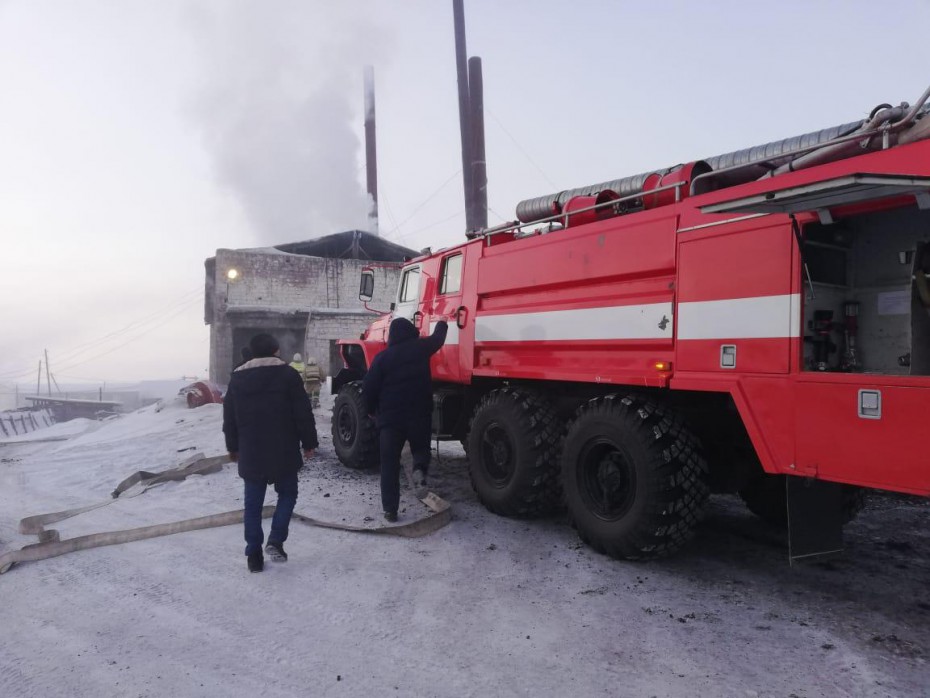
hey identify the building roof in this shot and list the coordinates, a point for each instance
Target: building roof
(352, 244)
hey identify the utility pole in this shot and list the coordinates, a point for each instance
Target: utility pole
(48, 375)
(39, 380)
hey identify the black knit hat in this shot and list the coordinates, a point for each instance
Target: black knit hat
(263, 345)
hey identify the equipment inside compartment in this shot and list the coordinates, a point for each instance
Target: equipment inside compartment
(864, 308)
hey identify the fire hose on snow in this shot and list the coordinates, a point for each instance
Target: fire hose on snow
(51, 545)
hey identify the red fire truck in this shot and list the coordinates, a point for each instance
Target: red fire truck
(756, 322)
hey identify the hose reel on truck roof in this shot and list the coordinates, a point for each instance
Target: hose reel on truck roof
(886, 126)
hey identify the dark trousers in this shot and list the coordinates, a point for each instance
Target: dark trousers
(252, 517)
(391, 441)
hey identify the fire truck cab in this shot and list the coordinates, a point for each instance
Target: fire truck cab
(757, 322)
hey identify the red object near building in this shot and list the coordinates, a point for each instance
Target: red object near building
(202, 393)
(750, 323)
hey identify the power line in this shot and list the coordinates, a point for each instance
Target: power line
(74, 353)
(520, 148)
(81, 348)
(388, 209)
(182, 299)
(86, 379)
(503, 220)
(427, 200)
(431, 225)
(132, 339)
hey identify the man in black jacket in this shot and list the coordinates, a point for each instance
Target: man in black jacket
(398, 391)
(266, 419)
(246, 354)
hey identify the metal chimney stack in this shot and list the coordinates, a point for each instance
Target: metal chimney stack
(471, 119)
(479, 167)
(371, 151)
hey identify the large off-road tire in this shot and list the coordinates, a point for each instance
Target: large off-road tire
(767, 498)
(513, 444)
(634, 477)
(355, 436)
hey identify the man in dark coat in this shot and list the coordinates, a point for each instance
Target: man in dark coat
(266, 420)
(246, 354)
(398, 391)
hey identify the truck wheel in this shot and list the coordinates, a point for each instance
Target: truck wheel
(634, 478)
(767, 498)
(512, 446)
(355, 437)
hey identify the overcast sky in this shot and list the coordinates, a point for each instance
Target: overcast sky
(138, 136)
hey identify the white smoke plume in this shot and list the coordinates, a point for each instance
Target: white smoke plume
(281, 109)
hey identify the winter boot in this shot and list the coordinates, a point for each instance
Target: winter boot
(419, 484)
(276, 552)
(256, 562)
(390, 516)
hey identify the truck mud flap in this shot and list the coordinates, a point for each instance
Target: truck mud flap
(815, 518)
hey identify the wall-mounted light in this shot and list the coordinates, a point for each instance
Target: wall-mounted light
(232, 275)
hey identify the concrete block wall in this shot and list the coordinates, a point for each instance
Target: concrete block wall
(276, 291)
(325, 328)
(271, 278)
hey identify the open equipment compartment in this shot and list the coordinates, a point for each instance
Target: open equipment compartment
(864, 308)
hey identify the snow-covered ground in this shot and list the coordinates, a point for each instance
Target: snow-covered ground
(61, 431)
(484, 607)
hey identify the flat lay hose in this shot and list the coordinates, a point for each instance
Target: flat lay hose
(51, 545)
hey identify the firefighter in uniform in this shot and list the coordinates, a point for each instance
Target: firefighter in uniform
(312, 376)
(298, 364)
(313, 380)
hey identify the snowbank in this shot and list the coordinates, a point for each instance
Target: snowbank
(56, 432)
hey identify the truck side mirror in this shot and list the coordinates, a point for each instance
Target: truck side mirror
(366, 288)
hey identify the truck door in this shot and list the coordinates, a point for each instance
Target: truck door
(448, 301)
(408, 293)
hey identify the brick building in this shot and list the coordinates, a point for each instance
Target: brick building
(303, 293)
